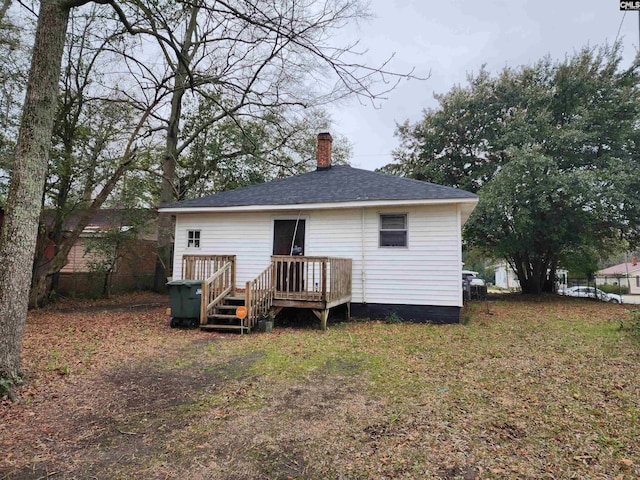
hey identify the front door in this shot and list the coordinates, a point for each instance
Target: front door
(288, 239)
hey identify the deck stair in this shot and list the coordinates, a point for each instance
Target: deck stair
(223, 315)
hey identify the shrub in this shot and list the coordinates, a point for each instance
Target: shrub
(393, 318)
(633, 324)
(617, 289)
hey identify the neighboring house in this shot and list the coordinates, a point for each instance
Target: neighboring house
(130, 264)
(506, 277)
(403, 236)
(133, 269)
(82, 259)
(625, 274)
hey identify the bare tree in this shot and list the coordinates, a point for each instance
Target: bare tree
(93, 126)
(238, 152)
(14, 65)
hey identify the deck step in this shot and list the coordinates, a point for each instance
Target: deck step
(223, 316)
(227, 307)
(211, 326)
(235, 298)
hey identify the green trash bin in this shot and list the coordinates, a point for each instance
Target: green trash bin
(185, 296)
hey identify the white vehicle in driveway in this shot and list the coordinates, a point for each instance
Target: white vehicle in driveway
(472, 277)
(591, 292)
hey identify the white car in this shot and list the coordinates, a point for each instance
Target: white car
(591, 292)
(471, 277)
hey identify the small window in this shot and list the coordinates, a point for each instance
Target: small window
(393, 230)
(638, 281)
(193, 239)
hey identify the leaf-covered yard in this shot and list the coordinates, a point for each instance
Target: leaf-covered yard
(527, 389)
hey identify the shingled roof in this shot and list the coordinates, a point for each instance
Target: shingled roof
(620, 269)
(335, 185)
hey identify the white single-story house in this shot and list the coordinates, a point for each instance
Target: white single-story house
(625, 274)
(402, 236)
(506, 277)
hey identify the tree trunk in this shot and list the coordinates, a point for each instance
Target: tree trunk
(168, 189)
(19, 232)
(3, 8)
(550, 280)
(531, 273)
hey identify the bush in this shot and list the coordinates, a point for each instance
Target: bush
(392, 318)
(617, 289)
(633, 324)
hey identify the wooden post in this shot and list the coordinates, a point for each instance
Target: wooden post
(272, 283)
(323, 318)
(204, 299)
(233, 276)
(324, 281)
(247, 303)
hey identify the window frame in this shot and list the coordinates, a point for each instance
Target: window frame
(194, 239)
(381, 231)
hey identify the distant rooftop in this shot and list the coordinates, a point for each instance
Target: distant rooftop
(620, 269)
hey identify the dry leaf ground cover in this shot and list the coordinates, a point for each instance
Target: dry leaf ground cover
(527, 389)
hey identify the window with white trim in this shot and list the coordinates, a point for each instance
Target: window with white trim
(193, 238)
(393, 230)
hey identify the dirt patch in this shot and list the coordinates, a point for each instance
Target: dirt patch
(154, 386)
(121, 419)
(298, 434)
(459, 473)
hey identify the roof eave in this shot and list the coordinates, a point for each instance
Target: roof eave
(321, 206)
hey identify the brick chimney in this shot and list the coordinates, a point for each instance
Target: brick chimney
(324, 151)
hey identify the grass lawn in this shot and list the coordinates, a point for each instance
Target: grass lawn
(528, 389)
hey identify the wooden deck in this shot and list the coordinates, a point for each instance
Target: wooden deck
(315, 283)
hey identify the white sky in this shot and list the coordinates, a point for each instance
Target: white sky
(451, 38)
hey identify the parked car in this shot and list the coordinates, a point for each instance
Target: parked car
(471, 277)
(591, 292)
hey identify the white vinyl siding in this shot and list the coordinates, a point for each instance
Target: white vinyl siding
(426, 272)
(246, 235)
(336, 233)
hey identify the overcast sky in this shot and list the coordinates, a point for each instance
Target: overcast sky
(452, 38)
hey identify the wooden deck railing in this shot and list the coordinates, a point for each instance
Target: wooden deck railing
(200, 267)
(259, 294)
(311, 278)
(293, 279)
(215, 289)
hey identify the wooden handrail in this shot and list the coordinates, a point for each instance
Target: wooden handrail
(214, 289)
(200, 267)
(259, 294)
